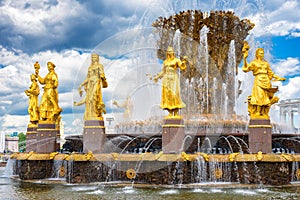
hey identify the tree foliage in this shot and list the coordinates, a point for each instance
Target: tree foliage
(22, 142)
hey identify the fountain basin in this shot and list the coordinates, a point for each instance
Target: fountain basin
(160, 168)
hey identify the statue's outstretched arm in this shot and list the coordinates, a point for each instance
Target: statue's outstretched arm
(41, 80)
(182, 64)
(245, 50)
(80, 91)
(83, 83)
(278, 78)
(81, 102)
(159, 75)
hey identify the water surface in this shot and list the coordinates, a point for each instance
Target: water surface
(12, 189)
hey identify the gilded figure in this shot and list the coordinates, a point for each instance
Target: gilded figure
(262, 96)
(33, 93)
(171, 99)
(94, 82)
(37, 68)
(127, 105)
(49, 108)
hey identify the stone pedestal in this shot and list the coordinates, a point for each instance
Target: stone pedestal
(46, 137)
(260, 136)
(93, 136)
(31, 138)
(173, 135)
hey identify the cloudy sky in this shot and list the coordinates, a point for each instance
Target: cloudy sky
(67, 31)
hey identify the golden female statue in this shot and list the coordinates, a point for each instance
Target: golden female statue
(262, 96)
(127, 104)
(33, 93)
(36, 68)
(93, 84)
(171, 100)
(49, 109)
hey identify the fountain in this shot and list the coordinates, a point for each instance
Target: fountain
(206, 142)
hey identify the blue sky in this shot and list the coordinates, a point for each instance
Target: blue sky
(67, 31)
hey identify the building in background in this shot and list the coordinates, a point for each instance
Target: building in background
(289, 112)
(2, 142)
(12, 142)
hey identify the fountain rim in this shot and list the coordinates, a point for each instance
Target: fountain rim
(159, 157)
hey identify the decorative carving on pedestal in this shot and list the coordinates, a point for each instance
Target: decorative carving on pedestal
(46, 136)
(173, 135)
(260, 136)
(93, 136)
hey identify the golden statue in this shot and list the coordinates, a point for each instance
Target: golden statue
(93, 84)
(262, 96)
(49, 109)
(127, 104)
(171, 100)
(33, 93)
(36, 68)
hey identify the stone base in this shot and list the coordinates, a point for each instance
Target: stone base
(173, 135)
(93, 136)
(260, 136)
(31, 138)
(35, 169)
(46, 137)
(158, 169)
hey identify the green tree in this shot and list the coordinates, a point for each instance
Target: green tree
(22, 142)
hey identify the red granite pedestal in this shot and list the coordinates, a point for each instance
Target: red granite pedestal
(93, 136)
(260, 136)
(31, 137)
(46, 137)
(173, 135)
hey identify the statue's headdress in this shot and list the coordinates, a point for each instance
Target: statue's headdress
(170, 49)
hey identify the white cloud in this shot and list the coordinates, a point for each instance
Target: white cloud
(33, 17)
(287, 67)
(282, 21)
(15, 77)
(14, 123)
(295, 34)
(73, 124)
(291, 90)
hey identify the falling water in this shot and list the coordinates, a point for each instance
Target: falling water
(70, 168)
(198, 144)
(224, 167)
(146, 147)
(295, 172)
(204, 48)
(215, 95)
(200, 173)
(176, 42)
(57, 169)
(187, 85)
(229, 145)
(231, 77)
(112, 147)
(237, 142)
(184, 146)
(177, 173)
(201, 87)
(208, 148)
(224, 101)
(9, 168)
